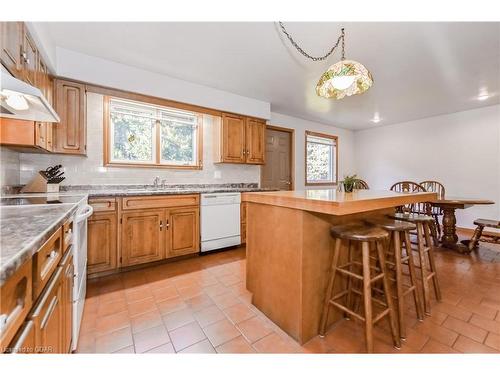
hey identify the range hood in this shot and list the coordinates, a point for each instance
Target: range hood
(21, 101)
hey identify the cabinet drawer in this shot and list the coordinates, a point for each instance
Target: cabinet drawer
(67, 235)
(24, 342)
(45, 261)
(103, 204)
(160, 201)
(15, 302)
(47, 316)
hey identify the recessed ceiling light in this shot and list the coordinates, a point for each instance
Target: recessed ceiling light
(376, 118)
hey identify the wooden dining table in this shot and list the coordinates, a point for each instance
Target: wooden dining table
(449, 205)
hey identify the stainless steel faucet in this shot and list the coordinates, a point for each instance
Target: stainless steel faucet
(156, 182)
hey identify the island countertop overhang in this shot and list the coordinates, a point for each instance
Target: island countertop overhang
(333, 202)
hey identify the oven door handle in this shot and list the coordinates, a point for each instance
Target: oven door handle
(89, 210)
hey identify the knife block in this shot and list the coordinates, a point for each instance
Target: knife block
(39, 184)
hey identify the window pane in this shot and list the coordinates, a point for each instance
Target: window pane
(133, 137)
(178, 143)
(320, 159)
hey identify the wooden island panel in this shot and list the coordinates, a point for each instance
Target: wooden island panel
(289, 253)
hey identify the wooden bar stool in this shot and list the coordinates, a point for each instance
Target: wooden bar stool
(425, 250)
(360, 237)
(399, 240)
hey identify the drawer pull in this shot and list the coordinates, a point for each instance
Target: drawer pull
(6, 319)
(52, 254)
(50, 310)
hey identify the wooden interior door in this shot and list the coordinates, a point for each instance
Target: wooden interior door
(184, 231)
(101, 246)
(143, 236)
(255, 141)
(277, 172)
(70, 133)
(233, 139)
(11, 39)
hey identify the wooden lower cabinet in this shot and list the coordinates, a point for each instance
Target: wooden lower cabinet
(131, 231)
(183, 231)
(243, 221)
(48, 326)
(67, 300)
(101, 243)
(143, 236)
(48, 317)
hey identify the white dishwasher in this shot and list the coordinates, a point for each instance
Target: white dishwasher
(220, 220)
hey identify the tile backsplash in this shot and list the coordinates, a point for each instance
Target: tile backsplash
(89, 170)
(9, 167)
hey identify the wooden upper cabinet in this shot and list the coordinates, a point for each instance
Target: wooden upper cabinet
(101, 248)
(184, 234)
(255, 141)
(29, 58)
(233, 139)
(69, 135)
(239, 139)
(41, 134)
(12, 41)
(143, 236)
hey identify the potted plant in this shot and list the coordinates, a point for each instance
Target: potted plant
(349, 182)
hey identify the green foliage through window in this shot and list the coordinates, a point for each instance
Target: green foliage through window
(134, 129)
(320, 159)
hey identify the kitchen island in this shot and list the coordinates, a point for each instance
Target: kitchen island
(289, 248)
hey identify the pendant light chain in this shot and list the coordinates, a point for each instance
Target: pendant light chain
(314, 58)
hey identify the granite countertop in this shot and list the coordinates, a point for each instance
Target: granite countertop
(24, 229)
(94, 191)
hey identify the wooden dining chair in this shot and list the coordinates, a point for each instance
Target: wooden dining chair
(361, 184)
(421, 208)
(410, 187)
(435, 212)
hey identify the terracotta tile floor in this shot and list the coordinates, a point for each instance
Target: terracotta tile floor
(201, 305)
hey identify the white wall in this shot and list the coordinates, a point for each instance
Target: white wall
(81, 170)
(462, 150)
(107, 73)
(345, 139)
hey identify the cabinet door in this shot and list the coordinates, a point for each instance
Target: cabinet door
(143, 236)
(29, 59)
(184, 231)
(233, 139)
(67, 298)
(41, 134)
(70, 133)
(101, 242)
(255, 141)
(12, 40)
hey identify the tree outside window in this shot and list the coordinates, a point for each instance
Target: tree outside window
(321, 159)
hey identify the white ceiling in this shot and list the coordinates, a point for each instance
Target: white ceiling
(419, 69)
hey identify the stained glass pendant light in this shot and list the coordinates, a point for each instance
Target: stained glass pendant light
(344, 78)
